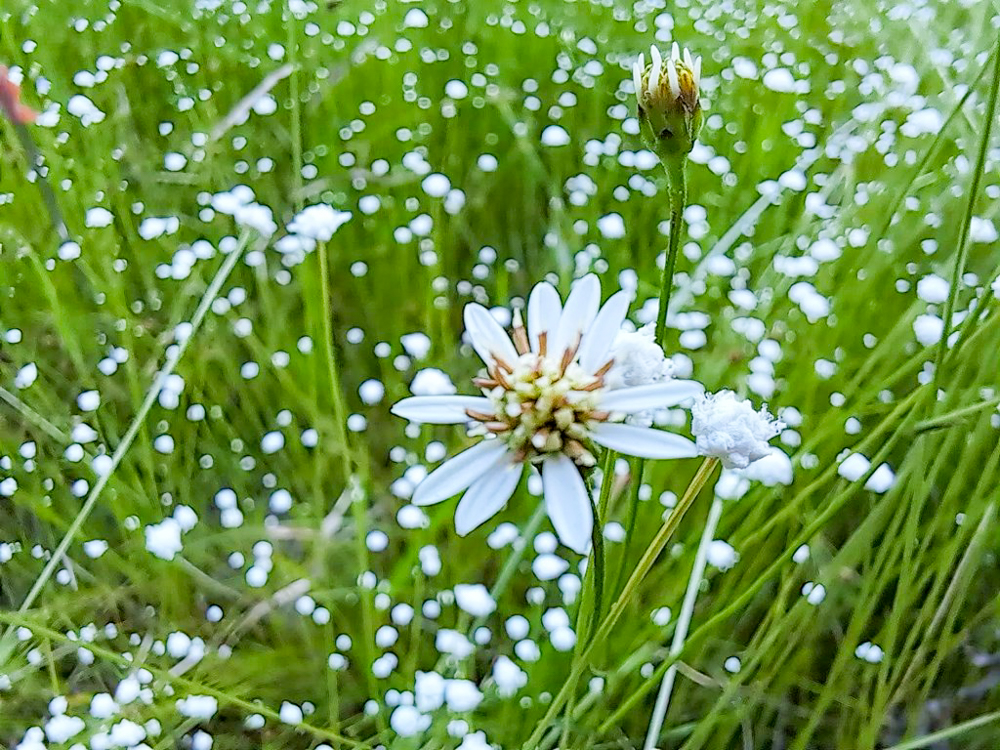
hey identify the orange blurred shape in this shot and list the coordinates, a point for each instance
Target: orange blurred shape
(10, 100)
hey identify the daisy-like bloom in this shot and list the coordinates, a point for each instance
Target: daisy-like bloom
(10, 100)
(546, 401)
(729, 429)
(669, 100)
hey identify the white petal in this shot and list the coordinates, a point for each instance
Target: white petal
(675, 52)
(487, 496)
(597, 340)
(687, 59)
(567, 502)
(458, 472)
(488, 338)
(654, 73)
(644, 442)
(440, 409)
(653, 396)
(544, 309)
(637, 78)
(697, 71)
(579, 313)
(675, 84)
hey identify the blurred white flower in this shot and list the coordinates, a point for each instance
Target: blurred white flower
(638, 360)
(728, 428)
(318, 222)
(546, 401)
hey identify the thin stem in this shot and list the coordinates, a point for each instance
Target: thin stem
(359, 509)
(963, 241)
(645, 564)
(683, 623)
(332, 370)
(677, 176)
(597, 538)
(597, 563)
(633, 512)
(35, 162)
(593, 580)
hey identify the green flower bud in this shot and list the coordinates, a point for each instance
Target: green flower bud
(667, 91)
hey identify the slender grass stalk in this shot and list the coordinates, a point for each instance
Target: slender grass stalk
(677, 177)
(632, 514)
(954, 731)
(683, 623)
(586, 625)
(645, 564)
(359, 509)
(35, 162)
(173, 358)
(600, 516)
(963, 239)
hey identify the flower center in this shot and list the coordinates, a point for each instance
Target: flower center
(542, 405)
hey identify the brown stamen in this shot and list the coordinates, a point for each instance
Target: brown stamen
(543, 343)
(479, 416)
(501, 363)
(521, 340)
(501, 378)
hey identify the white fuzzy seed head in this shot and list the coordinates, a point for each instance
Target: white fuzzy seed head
(728, 428)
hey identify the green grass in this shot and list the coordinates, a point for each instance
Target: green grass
(913, 569)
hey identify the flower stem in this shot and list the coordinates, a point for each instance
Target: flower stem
(633, 512)
(37, 165)
(597, 538)
(677, 177)
(683, 623)
(645, 564)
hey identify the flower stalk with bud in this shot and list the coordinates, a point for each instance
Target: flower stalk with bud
(670, 118)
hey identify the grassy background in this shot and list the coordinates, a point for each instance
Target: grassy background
(913, 570)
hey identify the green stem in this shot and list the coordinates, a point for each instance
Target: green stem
(963, 240)
(633, 512)
(593, 581)
(36, 164)
(359, 506)
(645, 564)
(597, 538)
(677, 177)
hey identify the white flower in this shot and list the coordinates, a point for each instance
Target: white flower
(638, 360)
(729, 428)
(318, 222)
(545, 401)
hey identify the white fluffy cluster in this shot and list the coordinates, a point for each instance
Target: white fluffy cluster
(318, 222)
(639, 360)
(729, 429)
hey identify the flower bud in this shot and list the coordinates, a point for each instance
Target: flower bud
(669, 102)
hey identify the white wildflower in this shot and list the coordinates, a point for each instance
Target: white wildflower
(318, 222)
(729, 429)
(545, 401)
